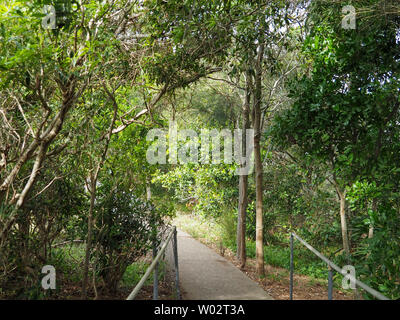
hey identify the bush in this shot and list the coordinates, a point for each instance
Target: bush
(41, 220)
(377, 259)
(228, 223)
(126, 228)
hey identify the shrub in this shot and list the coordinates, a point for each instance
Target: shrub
(126, 228)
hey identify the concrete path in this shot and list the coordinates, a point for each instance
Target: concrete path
(205, 275)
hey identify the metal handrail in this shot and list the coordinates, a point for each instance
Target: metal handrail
(331, 266)
(154, 266)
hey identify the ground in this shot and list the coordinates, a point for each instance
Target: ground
(276, 280)
(276, 283)
(205, 275)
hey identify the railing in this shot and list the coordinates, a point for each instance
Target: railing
(331, 266)
(154, 266)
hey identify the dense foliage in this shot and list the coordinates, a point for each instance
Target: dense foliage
(78, 99)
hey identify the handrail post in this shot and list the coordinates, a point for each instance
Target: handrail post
(358, 283)
(151, 268)
(175, 249)
(330, 283)
(291, 267)
(155, 274)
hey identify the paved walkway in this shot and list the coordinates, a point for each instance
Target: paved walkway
(204, 274)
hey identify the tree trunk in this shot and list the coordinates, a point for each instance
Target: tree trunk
(371, 227)
(258, 162)
(241, 239)
(93, 188)
(371, 232)
(93, 182)
(45, 139)
(148, 189)
(342, 199)
(243, 181)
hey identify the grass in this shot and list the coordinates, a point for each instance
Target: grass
(136, 271)
(305, 262)
(279, 276)
(199, 228)
(69, 261)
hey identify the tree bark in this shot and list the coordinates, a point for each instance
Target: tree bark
(93, 189)
(343, 221)
(44, 140)
(371, 227)
(148, 189)
(243, 181)
(93, 183)
(258, 163)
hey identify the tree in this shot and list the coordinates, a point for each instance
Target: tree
(49, 71)
(257, 35)
(345, 111)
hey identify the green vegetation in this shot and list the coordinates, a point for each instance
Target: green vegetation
(135, 272)
(79, 99)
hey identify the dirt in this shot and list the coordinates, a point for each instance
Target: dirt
(73, 292)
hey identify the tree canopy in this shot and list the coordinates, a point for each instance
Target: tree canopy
(309, 88)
